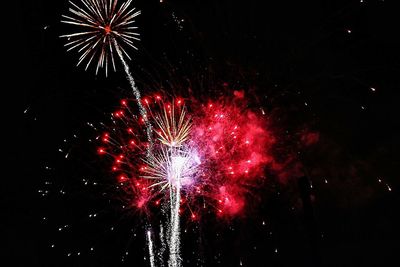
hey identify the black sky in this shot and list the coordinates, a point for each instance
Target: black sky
(313, 63)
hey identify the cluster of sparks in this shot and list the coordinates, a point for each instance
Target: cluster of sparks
(106, 26)
(212, 155)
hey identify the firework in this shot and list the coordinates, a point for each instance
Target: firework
(106, 27)
(212, 156)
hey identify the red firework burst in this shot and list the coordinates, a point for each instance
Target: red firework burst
(213, 152)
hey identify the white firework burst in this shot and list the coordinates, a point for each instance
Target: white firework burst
(172, 167)
(106, 27)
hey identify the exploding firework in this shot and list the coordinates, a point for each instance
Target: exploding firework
(211, 153)
(173, 130)
(106, 27)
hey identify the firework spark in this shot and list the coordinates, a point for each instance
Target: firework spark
(106, 25)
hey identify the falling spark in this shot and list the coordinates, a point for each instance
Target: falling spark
(389, 188)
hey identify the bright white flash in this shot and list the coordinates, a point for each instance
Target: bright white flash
(175, 170)
(172, 167)
(181, 168)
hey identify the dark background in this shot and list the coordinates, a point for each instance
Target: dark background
(313, 64)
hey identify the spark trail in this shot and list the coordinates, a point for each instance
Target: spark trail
(138, 97)
(174, 234)
(174, 229)
(163, 246)
(151, 251)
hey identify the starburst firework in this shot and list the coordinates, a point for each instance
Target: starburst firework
(173, 123)
(172, 166)
(107, 27)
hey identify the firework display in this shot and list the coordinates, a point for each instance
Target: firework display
(207, 134)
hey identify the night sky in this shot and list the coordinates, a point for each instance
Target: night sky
(327, 72)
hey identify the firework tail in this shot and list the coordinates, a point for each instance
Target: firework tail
(174, 228)
(161, 251)
(151, 250)
(173, 235)
(136, 92)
